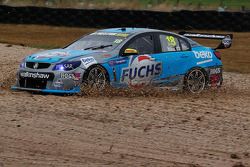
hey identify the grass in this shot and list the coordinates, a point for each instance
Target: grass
(229, 3)
(236, 59)
(139, 4)
(40, 36)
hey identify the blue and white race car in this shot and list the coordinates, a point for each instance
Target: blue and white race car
(123, 58)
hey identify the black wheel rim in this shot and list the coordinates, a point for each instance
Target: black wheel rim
(96, 79)
(196, 81)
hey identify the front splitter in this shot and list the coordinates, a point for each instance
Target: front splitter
(53, 91)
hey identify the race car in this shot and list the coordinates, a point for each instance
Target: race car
(126, 58)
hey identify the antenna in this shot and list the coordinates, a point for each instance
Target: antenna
(123, 29)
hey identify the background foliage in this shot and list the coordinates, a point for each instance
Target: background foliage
(166, 5)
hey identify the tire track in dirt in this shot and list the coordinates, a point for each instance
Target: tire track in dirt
(164, 129)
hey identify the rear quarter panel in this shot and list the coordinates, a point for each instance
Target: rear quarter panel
(204, 57)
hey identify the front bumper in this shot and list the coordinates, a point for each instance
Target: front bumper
(58, 82)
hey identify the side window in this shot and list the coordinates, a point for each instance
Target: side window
(184, 45)
(169, 43)
(144, 45)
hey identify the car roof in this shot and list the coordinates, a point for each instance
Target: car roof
(135, 31)
(132, 30)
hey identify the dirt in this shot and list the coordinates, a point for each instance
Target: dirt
(161, 129)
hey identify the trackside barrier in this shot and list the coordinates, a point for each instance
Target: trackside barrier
(179, 20)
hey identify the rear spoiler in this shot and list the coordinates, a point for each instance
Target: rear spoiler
(226, 40)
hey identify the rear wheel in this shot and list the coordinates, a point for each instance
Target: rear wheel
(195, 81)
(95, 80)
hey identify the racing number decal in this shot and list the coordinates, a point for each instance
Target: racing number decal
(171, 41)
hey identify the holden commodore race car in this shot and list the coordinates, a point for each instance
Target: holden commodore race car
(125, 58)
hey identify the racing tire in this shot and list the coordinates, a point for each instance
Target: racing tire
(95, 80)
(195, 81)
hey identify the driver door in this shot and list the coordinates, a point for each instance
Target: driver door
(141, 68)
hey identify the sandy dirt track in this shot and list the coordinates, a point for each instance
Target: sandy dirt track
(167, 129)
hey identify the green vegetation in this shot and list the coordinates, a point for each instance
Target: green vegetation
(138, 4)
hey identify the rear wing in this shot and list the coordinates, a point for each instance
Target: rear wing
(226, 40)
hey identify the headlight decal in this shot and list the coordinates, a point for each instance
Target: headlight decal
(67, 66)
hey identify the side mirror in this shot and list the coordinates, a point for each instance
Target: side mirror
(130, 51)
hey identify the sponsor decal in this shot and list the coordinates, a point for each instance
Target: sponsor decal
(74, 76)
(122, 35)
(117, 62)
(227, 41)
(142, 70)
(111, 34)
(203, 55)
(68, 66)
(34, 75)
(88, 61)
(215, 71)
(118, 41)
(52, 54)
(58, 83)
(205, 61)
(104, 33)
(205, 36)
(106, 55)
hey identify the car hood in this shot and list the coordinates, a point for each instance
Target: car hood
(58, 55)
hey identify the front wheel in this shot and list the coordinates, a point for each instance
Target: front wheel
(195, 81)
(95, 80)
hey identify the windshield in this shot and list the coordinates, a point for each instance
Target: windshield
(99, 40)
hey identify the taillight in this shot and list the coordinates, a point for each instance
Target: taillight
(217, 54)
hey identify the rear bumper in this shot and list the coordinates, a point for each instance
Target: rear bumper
(53, 91)
(215, 77)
